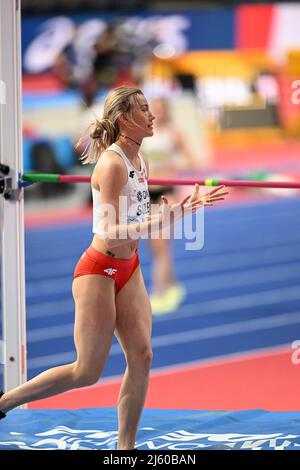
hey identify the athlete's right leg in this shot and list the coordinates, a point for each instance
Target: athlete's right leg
(95, 316)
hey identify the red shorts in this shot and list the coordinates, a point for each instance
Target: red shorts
(94, 262)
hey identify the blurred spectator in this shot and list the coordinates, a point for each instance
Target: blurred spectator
(105, 68)
(63, 68)
(267, 87)
(112, 64)
(69, 6)
(167, 153)
(44, 160)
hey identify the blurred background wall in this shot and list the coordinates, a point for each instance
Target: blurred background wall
(236, 66)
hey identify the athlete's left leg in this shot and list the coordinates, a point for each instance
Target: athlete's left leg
(133, 329)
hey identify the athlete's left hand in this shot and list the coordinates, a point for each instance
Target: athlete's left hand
(209, 198)
(190, 204)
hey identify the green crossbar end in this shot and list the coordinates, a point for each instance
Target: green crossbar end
(41, 178)
(211, 182)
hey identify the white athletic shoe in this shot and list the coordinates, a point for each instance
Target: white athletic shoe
(168, 301)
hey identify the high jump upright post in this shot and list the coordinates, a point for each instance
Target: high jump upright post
(12, 233)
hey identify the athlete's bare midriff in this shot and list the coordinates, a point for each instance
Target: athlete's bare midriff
(121, 252)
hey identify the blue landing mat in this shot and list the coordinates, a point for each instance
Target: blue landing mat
(96, 428)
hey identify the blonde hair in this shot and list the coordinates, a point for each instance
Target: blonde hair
(104, 132)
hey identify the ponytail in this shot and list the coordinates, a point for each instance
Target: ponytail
(99, 135)
(104, 132)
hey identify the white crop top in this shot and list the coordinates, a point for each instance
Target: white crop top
(135, 203)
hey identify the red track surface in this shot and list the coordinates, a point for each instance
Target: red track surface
(268, 380)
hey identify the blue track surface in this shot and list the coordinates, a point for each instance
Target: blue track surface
(243, 288)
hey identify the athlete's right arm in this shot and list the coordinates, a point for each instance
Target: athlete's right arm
(112, 177)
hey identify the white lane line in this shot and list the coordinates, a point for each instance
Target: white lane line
(200, 263)
(266, 297)
(224, 359)
(247, 277)
(280, 236)
(49, 309)
(51, 359)
(204, 308)
(238, 302)
(233, 260)
(223, 245)
(268, 323)
(42, 269)
(213, 361)
(66, 330)
(256, 324)
(50, 332)
(208, 283)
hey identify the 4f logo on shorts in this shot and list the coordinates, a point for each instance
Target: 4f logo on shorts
(110, 271)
